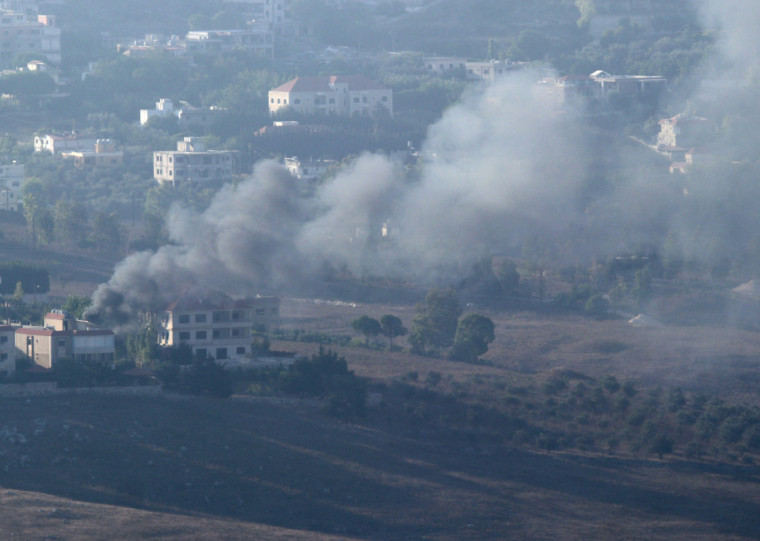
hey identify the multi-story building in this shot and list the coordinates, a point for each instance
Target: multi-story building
(684, 132)
(216, 325)
(61, 337)
(57, 144)
(192, 163)
(19, 34)
(7, 349)
(104, 155)
(11, 181)
(443, 64)
(341, 95)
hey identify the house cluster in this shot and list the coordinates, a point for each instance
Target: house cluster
(59, 337)
(23, 30)
(210, 322)
(339, 95)
(571, 89)
(266, 18)
(491, 70)
(85, 151)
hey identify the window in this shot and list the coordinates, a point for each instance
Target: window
(240, 350)
(184, 319)
(296, 101)
(356, 100)
(200, 335)
(221, 353)
(364, 99)
(3, 339)
(4, 356)
(61, 343)
(384, 98)
(184, 335)
(200, 318)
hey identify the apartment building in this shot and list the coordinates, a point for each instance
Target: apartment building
(193, 163)
(216, 325)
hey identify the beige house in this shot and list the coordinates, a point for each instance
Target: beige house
(61, 337)
(340, 95)
(193, 163)
(216, 325)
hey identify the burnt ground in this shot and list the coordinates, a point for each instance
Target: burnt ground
(78, 466)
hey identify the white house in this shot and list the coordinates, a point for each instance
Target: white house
(57, 144)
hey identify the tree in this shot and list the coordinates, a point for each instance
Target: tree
(474, 333)
(70, 221)
(76, 305)
(435, 323)
(106, 234)
(368, 326)
(391, 327)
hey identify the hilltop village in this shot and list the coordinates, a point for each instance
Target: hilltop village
(428, 250)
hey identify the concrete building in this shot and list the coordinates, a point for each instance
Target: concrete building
(309, 170)
(216, 325)
(443, 64)
(256, 37)
(20, 33)
(684, 132)
(188, 114)
(104, 155)
(193, 163)
(7, 349)
(340, 95)
(490, 71)
(61, 337)
(58, 144)
(11, 182)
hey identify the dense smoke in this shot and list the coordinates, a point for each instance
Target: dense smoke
(501, 172)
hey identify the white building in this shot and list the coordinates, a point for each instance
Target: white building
(271, 11)
(309, 170)
(164, 108)
(57, 144)
(213, 324)
(21, 34)
(192, 163)
(340, 95)
(11, 182)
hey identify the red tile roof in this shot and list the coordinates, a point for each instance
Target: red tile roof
(325, 83)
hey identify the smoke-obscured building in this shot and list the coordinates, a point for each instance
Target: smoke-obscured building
(216, 325)
(11, 181)
(340, 95)
(193, 163)
(21, 33)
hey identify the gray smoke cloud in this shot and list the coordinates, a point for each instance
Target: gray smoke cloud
(500, 170)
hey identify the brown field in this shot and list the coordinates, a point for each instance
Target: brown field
(95, 467)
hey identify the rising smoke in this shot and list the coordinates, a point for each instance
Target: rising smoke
(500, 171)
